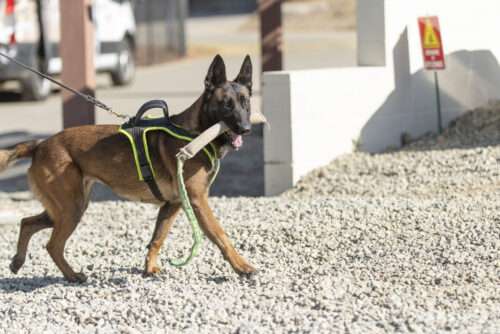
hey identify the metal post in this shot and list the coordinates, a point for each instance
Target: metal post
(271, 35)
(438, 102)
(43, 24)
(77, 52)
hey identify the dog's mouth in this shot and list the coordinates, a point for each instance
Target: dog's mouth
(236, 140)
(233, 139)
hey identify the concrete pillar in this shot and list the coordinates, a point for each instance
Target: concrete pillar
(278, 143)
(371, 32)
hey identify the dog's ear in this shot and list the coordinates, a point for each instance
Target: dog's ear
(245, 76)
(216, 75)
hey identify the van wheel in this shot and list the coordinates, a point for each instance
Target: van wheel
(125, 69)
(35, 88)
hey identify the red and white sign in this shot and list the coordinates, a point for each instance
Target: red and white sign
(432, 44)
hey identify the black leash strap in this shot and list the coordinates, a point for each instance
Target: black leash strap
(88, 98)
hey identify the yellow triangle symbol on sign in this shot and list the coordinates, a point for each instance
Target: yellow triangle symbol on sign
(431, 40)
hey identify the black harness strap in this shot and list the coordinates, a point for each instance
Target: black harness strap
(136, 127)
(147, 173)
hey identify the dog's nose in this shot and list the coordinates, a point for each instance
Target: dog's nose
(246, 129)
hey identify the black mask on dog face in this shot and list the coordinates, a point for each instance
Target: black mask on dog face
(229, 101)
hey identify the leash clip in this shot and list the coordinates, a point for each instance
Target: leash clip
(183, 155)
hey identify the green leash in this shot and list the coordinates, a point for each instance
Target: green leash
(188, 209)
(201, 143)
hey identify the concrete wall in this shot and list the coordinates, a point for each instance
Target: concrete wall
(319, 114)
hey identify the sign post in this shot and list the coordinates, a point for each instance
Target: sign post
(432, 51)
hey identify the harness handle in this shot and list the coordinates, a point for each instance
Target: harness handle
(153, 104)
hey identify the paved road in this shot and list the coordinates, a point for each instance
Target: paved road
(180, 83)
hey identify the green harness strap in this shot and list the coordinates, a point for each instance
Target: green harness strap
(186, 204)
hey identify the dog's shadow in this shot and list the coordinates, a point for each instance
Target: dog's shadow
(29, 284)
(33, 283)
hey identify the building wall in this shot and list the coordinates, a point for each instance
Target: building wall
(160, 29)
(333, 111)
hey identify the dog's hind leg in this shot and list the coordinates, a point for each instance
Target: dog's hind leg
(64, 193)
(29, 226)
(164, 222)
(61, 233)
(72, 201)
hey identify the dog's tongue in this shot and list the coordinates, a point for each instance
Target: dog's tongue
(237, 141)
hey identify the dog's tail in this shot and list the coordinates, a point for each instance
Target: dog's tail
(22, 150)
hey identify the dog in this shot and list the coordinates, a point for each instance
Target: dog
(65, 166)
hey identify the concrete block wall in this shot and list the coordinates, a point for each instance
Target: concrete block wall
(319, 114)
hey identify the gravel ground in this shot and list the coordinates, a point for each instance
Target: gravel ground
(326, 265)
(407, 241)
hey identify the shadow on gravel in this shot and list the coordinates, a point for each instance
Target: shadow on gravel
(218, 279)
(127, 270)
(29, 284)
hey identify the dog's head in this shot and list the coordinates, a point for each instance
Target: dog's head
(229, 101)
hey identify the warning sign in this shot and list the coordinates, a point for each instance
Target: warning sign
(432, 45)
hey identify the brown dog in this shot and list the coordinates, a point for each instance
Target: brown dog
(65, 166)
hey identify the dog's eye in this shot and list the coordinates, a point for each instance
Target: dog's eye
(228, 104)
(243, 101)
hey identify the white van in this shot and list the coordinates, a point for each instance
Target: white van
(29, 32)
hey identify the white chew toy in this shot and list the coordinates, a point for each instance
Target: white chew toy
(207, 136)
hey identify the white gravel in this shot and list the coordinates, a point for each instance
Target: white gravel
(405, 242)
(326, 265)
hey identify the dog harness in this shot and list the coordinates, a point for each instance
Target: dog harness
(137, 129)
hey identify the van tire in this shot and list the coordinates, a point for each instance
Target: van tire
(125, 69)
(35, 88)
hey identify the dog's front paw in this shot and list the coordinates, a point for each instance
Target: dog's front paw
(246, 270)
(151, 271)
(77, 278)
(16, 264)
